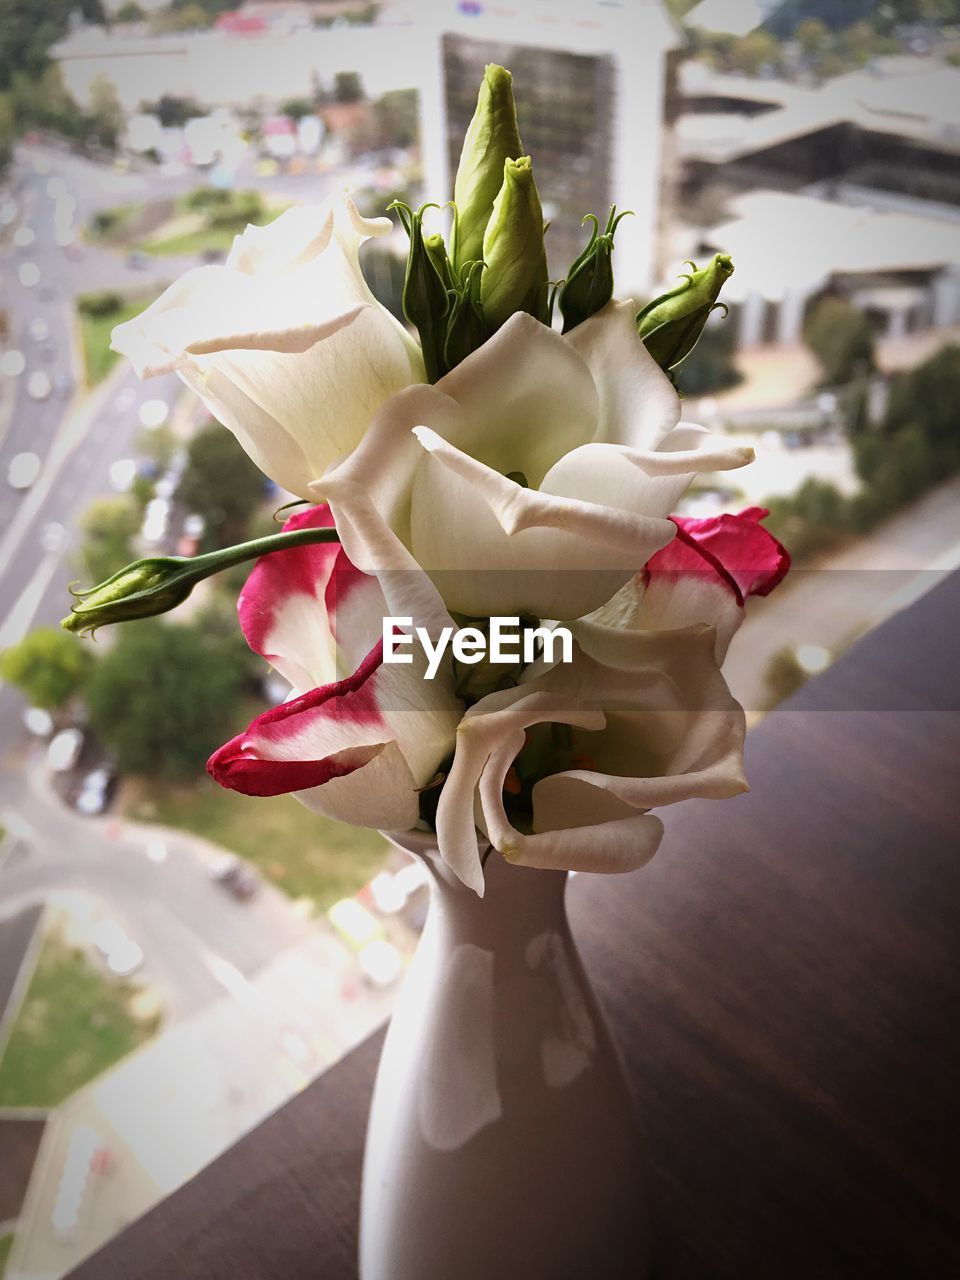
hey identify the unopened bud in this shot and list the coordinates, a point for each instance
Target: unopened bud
(424, 294)
(158, 584)
(515, 274)
(491, 138)
(141, 590)
(589, 284)
(671, 325)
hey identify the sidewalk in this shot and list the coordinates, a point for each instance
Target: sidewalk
(838, 598)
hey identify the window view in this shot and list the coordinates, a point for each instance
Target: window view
(176, 959)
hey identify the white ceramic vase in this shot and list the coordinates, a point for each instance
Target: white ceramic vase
(503, 1142)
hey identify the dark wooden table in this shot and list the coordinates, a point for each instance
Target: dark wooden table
(783, 980)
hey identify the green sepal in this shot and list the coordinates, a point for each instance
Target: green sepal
(467, 327)
(424, 292)
(670, 326)
(589, 284)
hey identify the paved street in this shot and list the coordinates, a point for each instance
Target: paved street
(257, 997)
(844, 594)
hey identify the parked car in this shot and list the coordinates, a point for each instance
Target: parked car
(23, 470)
(39, 385)
(94, 794)
(119, 952)
(236, 876)
(64, 750)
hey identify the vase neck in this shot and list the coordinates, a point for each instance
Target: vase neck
(518, 901)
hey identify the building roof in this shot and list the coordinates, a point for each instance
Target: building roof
(914, 98)
(780, 241)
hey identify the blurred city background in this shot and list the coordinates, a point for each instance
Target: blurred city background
(176, 960)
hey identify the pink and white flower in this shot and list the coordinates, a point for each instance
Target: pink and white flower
(536, 477)
(357, 747)
(703, 576)
(284, 343)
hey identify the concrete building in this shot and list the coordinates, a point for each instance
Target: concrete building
(850, 187)
(790, 249)
(593, 85)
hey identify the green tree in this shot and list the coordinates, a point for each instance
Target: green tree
(928, 396)
(7, 132)
(811, 35)
(166, 695)
(48, 666)
(754, 51)
(841, 338)
(221, 484)
(397, 118)
(29, 27)
(106, 114)
(108, 527)
(129, 12)
(711, 366)
(348, 87)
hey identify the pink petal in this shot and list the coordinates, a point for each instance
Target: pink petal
(736, 549)
(323, 734)
(299, 607)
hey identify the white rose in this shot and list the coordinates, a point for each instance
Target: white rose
(536, 477)
(284, 343)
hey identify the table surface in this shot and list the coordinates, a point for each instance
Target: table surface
(783, 982)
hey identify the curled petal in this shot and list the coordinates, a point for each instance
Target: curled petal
(638, 403)
(385, 719)
(737, 546)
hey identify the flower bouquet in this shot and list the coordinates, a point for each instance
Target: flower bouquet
(504, 650)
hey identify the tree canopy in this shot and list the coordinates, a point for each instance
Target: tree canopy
(167, 694)
(47, 666)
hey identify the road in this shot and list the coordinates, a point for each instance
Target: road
(193, 934)
(842, 595)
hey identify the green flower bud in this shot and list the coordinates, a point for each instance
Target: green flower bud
(491, 138)
(437, 250)
(158, 584)
(589, 284)
(515, 275)
(424, 294)
(466, 324)
(142, 589)
(671, 325)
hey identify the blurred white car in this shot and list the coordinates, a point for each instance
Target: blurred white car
(120, 953)
(23, 470)
(123, 472)
(39, 385)
(53, 536)
(153, 414)
(38, 721)
(12, 363)
(64, 750)
(94, 792)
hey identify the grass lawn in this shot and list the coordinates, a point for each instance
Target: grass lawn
(95, 333)
(197, 241)
(6, 1244)
(115, 224)
(74, 1023)
(304, 854)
